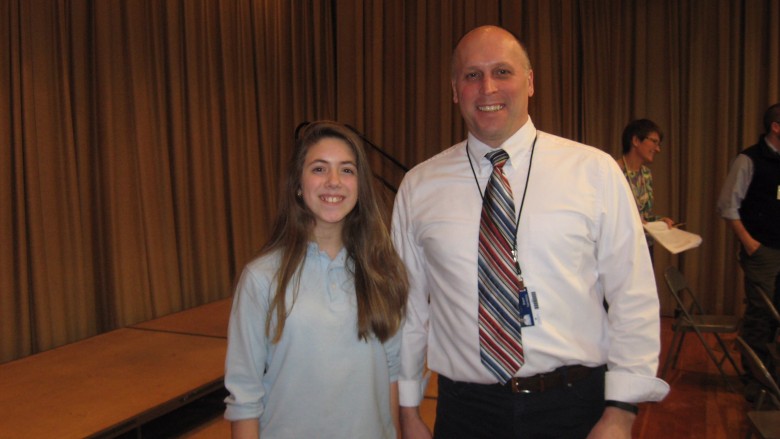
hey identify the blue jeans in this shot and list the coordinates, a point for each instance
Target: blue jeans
(473, 411)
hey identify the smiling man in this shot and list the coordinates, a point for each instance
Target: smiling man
(513, 239)
(491, 82)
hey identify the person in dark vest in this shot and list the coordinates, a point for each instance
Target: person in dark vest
(750, 203)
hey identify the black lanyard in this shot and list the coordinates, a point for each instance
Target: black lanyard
(522, 200)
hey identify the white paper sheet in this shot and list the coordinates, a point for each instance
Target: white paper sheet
(675, 240)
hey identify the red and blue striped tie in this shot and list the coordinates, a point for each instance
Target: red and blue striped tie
(500, 342)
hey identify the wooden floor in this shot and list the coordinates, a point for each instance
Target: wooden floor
(700, 404)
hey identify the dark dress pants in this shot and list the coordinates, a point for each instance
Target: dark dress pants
(475, 411)
(762, 269)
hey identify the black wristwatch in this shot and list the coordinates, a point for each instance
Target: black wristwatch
(633, 408)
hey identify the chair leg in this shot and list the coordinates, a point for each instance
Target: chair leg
(715, 358)
(679, 348)
(727, 355)
(671, 352)
(760, 400)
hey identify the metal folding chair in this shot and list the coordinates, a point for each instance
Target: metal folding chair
(691, 317)
(765, 423)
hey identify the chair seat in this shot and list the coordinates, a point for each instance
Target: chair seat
(709, 323)
(766, 424)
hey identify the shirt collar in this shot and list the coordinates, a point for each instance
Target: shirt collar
(517, 146)
(772, 146)
(314, 251)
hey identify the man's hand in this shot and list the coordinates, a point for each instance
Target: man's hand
(412, 425)
(748, 242)
(752, 246)
(615, 423)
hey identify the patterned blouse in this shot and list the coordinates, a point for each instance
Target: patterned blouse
(641, 183)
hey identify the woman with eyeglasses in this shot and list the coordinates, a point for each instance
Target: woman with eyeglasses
(641, 142)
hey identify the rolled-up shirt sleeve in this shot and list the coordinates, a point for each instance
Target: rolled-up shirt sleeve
(735, 187)
(629, 286)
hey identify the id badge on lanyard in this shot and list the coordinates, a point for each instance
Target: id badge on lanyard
(528, 306)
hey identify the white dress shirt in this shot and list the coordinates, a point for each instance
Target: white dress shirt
(580, 240)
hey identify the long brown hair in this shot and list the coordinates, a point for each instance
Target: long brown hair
(381, 285)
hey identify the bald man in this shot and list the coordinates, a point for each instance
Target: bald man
(546, 359)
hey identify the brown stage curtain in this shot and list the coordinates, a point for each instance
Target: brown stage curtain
(141, 141)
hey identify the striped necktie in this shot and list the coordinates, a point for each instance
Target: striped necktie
(500, 343)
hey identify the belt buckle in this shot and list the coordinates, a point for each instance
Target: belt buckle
(517, 389)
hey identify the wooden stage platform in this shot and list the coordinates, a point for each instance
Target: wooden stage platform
(138, 381)
(115, 382)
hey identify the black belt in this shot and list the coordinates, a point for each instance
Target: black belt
(561, 377)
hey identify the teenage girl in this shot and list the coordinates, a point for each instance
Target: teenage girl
(312, 350)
